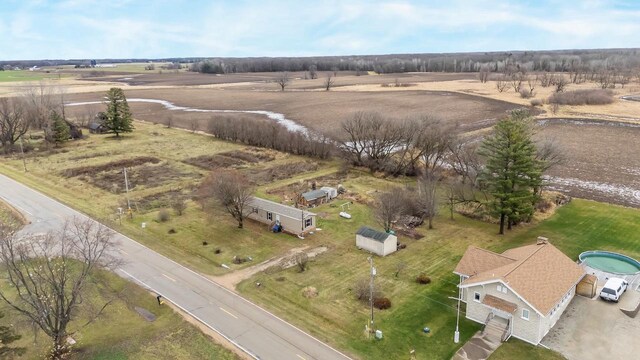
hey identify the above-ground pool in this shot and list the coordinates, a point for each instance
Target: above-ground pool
(610, 262)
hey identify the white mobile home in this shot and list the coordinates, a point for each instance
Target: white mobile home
(293, 221)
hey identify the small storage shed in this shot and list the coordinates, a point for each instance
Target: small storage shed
(377, 242)
(332, 193)
(314, 198)
(587, 286)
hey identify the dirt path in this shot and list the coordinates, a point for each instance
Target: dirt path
(286, 261)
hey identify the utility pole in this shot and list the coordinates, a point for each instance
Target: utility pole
(373, 274)
(24, 161)
(126, 185)
(456, 334)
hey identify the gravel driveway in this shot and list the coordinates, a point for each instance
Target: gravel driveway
(593, 329)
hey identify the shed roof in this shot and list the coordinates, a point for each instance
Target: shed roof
(372, 234)
(94, 126)
(280, 209)
(314, 194)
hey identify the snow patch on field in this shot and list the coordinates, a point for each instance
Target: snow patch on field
(291, 125)
(626, 193)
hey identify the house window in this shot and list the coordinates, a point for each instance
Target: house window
(308, 222)
(269, 216)
(525, 314)
(499, 288)
(502, 289)
(476, 296)
(255, 210)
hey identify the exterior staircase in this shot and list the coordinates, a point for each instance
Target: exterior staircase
(495, 329)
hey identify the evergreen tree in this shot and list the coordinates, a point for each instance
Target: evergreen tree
(7, 336)
(512, 171)
(59, 129)
(118, 116)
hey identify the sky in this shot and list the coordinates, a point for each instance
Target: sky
(92, 29)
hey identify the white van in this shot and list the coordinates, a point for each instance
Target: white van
(613, 289)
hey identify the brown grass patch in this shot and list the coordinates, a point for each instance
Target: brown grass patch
(582, 97)
(110, 166)
(280, 172)
(210, 162)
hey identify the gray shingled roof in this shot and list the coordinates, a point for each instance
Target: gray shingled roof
(280, 209)
(314, 194)
(372, 234)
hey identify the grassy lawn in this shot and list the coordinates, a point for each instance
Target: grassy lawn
(336, 317)
(25, 75)
(99, 194)
(120, 332)
(516, 349)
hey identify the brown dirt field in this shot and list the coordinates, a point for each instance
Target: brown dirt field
(92, 170)
(602, 160)
(321, 111)
(280, 172)
(210, 162)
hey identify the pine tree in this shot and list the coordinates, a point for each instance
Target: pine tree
(60, 129)
(7, 336)
(512, 171)
(118, 116)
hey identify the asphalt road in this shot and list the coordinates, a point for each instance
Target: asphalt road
(254, 330)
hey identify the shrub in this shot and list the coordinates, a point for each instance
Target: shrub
(536, 102)
(361, 290)
(204, 243)
(172, 231)
(217, 251)
(302, 260)
(423, 279)
(381, 303)
(525, 93)
(239, 260)
(582, 97)
(163, 215)
(309, 292)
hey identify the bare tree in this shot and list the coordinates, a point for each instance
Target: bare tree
(48, 275)
(427, 197)
(501, 84)
(328, 82)
(559, 82)
(40, 100)
(313, 71)
(179, 204)
(516, 81)
(194, 125)
(483, 75)
(283, 80)
(434, 144)
(301, 259)
(13, 122)
(389, 207)
(229, 189)
(604, 79)
(465, 161)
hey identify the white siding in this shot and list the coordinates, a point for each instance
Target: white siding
(527, 330)
(387, 247)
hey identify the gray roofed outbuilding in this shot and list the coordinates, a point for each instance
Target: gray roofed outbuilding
(372, 234)
(314, 194)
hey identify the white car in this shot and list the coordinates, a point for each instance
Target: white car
(613, 289)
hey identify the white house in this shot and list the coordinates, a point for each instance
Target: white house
(377, 242)
(293, 221)
(524, 289)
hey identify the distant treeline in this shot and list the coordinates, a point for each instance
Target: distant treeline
(552, 61)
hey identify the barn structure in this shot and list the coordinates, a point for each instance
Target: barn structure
(377, 242)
